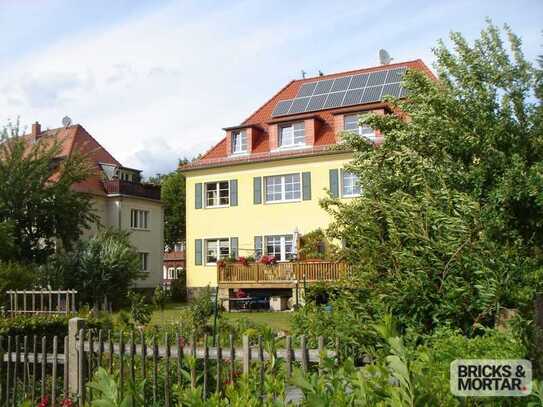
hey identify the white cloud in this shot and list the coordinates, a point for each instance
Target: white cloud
(160, 86)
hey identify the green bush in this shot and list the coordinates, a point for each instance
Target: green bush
(15, 276)
(178, 290)
(47, 325)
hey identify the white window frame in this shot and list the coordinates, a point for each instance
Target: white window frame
(283, 188)
(346, 174)
(139, 219)
(218, 247)
(217, 194)
(144, 262)
(239, 142)
(282, 241)
(362, 130)
(295, 134)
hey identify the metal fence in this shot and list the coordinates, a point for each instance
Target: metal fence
(61, 367)
(42, 301)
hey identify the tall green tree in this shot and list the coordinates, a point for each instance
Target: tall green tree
(36, 195)
(173, 197)
(449, 227)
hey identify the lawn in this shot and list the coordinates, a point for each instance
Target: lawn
(275, 320)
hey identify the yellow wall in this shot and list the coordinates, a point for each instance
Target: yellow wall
(248, 220)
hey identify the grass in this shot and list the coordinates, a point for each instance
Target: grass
(275, 320)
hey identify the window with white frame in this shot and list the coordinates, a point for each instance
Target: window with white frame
(139, 219)
(291, 135)
(217, 194)
(349, 185)
(144, 262)
(239, 142)
(281, 247)
(283, 188)
(351, 123)
(217, 249)
(171, 273)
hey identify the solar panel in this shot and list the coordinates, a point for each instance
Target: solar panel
(344, 91)
(372, 94)
(352, 97)
(377, 78)
(341, 83)
(359, 81)
(306, 89)
(282, 107)
(323, 86)
(316, 102)
(299, 105)
(392, 89)
(403, 92)
(395, 75)
(334, 100)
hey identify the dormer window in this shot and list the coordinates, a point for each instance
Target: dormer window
(292, 135)
(351, 124)
(239, 142)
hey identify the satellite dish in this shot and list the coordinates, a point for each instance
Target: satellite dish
(66, 121)
(384, 57)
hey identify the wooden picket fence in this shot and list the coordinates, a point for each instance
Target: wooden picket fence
(35, 367)
(42, 301)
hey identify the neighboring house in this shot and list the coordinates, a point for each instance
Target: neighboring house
(259, 188)
(119, 197)
(174, 265)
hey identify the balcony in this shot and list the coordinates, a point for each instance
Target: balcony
(118, 187)
(280, 275)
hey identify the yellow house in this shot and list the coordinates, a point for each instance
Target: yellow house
(259, 188)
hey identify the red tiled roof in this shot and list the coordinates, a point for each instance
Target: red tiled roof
(218, 155)
(75, 139)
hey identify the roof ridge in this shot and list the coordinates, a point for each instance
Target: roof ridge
(268, 101)
(358, 70)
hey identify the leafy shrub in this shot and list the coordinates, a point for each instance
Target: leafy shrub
(104, 266)
(140, 311)
(346, 317)
(193, 320)
(178, 290)
(45, 325)
(15, 276)
(315, 245)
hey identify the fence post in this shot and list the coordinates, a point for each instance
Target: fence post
(74, 326)
(538, 319)
(246, 355)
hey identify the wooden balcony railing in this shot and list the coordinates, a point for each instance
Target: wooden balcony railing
(284, 274)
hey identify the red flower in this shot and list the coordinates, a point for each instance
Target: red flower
(243, 261)
(44, 402)
(268, 260)
(67, 403)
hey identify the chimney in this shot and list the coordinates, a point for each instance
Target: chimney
(36, 130)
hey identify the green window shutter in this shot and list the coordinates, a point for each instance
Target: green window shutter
(258, 247)
(334, 183)
(198, 197)
(257, 190)
(233, 192)
(306, 186)
(198, 252)
(234, 246)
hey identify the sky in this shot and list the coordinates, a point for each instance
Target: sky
(156, 81)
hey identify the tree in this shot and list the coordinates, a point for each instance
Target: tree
(449, 228)
(36, 195)
(173, 197)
